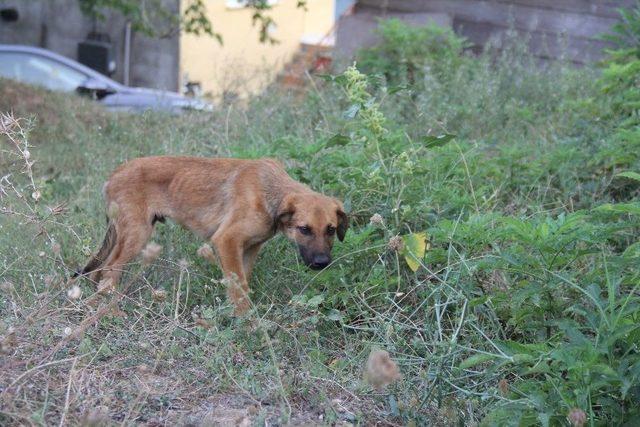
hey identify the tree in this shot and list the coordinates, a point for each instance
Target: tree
(160, 18)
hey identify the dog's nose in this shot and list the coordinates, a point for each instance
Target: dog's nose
(320, 261)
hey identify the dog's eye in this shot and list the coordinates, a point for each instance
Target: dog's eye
(305, 230)
(331, 230)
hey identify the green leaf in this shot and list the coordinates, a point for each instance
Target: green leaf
(415, 246)
(393, 405)
(630, 208)
(352, 111)
(431, 141)
(476, 359)
(337, 139)
(334, 314)
(315, 301)
(630, 174)
(632, 251)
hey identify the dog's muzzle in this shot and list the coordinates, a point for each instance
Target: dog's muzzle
(320, 261)
(316, 261)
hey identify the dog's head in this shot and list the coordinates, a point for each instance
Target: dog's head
(312, 221)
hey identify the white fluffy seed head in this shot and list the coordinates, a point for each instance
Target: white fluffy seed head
(205, 251)
(151, 252)
(381, 370)
(74, 292)
(376, 219)
(159, 295)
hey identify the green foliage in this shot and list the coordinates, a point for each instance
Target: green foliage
(499, 266)
(626, 33)
(156, 18)
(409, 55)
(621, 75)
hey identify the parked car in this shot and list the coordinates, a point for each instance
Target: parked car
(44, 68)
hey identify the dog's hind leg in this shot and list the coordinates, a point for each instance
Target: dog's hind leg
(133, 234)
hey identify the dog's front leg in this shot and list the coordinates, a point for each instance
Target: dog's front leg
(230, 251)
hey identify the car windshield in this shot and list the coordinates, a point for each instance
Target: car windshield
(40, 71)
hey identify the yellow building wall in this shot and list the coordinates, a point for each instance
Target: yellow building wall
(242, 65)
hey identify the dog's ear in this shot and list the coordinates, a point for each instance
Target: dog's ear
(285, 211)
(343, 222)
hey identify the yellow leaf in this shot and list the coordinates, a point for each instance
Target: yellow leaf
(415, 246)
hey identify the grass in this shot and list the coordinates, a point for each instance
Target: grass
(520, 311)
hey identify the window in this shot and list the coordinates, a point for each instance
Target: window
(241, 4)
(40, 71)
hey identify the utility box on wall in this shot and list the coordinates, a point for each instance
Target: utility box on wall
(98, 55)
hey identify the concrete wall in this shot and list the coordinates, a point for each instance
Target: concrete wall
(59, 26)
(243, 65)
(554, 28)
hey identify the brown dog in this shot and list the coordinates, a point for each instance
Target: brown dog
(235, 204)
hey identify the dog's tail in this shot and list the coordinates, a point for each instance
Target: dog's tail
(107, 245)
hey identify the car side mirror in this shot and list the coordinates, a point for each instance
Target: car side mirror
(94, 88)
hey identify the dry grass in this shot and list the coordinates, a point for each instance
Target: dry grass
(73, 354)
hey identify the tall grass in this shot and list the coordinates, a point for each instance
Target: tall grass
(521, 310)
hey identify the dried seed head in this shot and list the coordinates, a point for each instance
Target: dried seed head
(67, 331)
(36, 195)
(238, 358)
(8, 341)
(202, 323)
(376, 219)
(503, 386)
(96, 417)
(381, 370)
(577, 417)
(74, 292)
(183, 264)
(48, 280)
(395, 244)
(207, 253)
(26, 154)
(151, 252)
(159, 295)
(56, 248)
